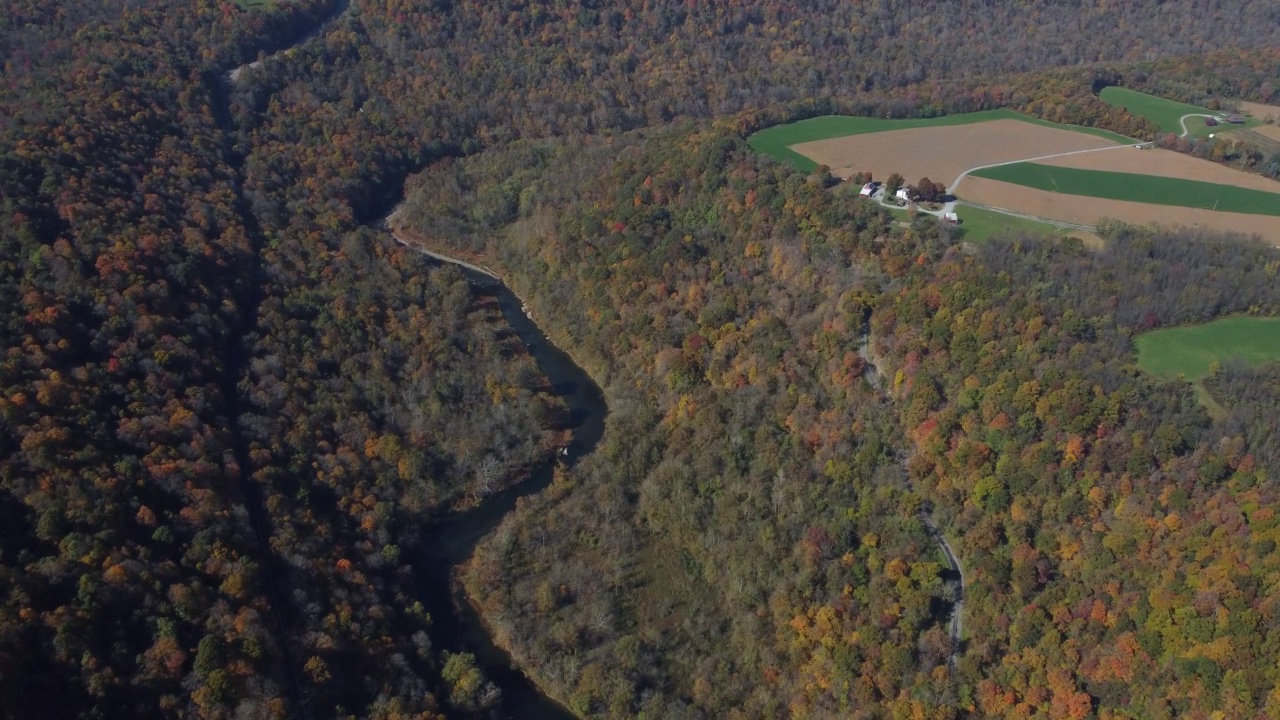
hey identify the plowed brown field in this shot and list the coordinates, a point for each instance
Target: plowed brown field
(942, 153)
(1088, 210)
(1260, 111)
(1165, 163)
(1271, 131)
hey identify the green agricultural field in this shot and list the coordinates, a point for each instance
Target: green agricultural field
(980, 225)
(1189, 351)
(776, 141)
(1137, 188)
(1166, 113)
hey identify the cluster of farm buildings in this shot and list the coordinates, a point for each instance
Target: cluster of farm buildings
(904, 195)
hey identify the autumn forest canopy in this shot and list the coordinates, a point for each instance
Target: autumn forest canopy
(245, 431)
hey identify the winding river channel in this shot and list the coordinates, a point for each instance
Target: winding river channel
(457, 626)
(451, 540)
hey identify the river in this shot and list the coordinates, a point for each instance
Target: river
(450, 540)
(456, 626)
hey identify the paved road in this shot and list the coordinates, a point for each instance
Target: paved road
(957, 610)
(926, 517)
(389, 224)
(446, 259)
(235, 74)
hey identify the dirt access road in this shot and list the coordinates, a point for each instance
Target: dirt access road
(1168, 163)
(1183, 121)
(951, 190)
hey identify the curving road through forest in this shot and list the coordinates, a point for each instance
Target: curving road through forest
(957, 609)
(956, 624)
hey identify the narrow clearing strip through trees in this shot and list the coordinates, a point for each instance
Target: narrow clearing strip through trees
(339, 9)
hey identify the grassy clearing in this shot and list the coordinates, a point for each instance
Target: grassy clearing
(1189, 351)
(254, 4)
(776, 141)
(1165, 113)
(980, 225)
(1197, 128)
(1136, 188)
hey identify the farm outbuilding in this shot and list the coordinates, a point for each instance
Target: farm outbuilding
(903, 194)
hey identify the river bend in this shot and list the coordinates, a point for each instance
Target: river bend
(450, 542)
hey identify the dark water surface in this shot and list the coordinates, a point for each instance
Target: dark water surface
(452, 539)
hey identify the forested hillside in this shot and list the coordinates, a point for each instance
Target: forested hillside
(130, 567)
(1080, 490)
(748, 506)
(1113, 534)
(231, 405)
(1252, 396)
(190, 529)
(398, 79)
